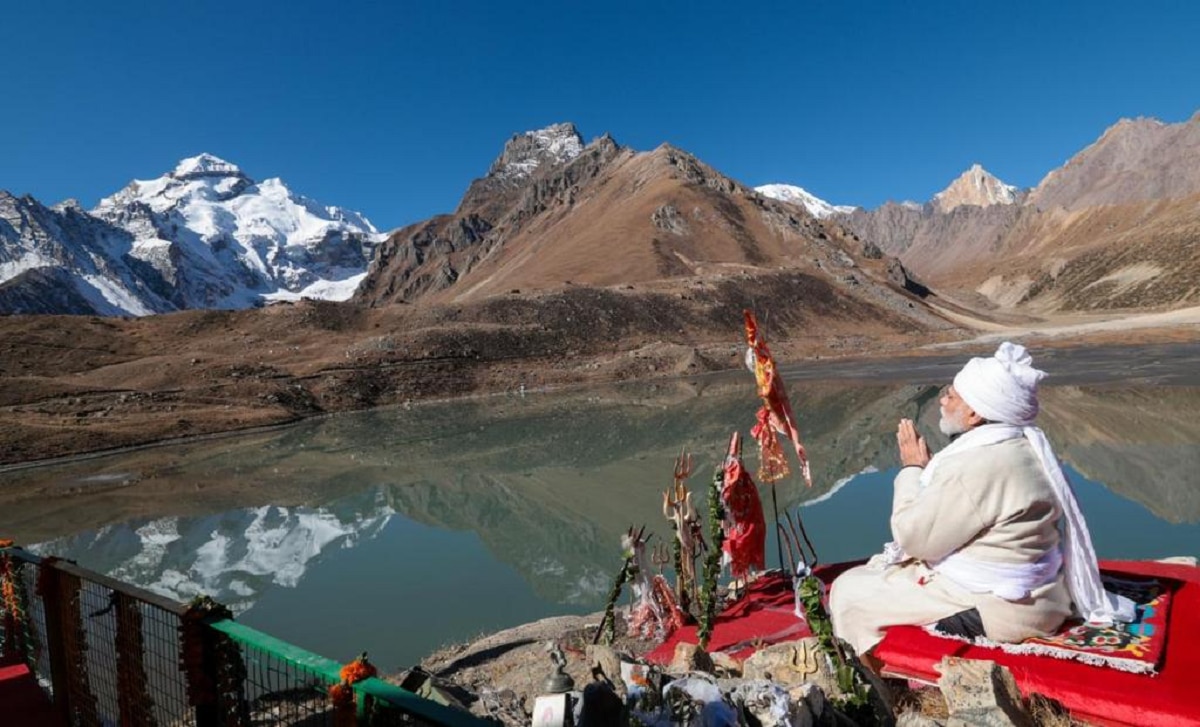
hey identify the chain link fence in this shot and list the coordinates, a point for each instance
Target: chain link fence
(108, 653)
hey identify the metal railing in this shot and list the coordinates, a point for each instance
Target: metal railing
(109, 653)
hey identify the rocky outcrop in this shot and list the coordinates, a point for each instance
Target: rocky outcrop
(536, 171)
(976, 187)
(981, 693)
(63, 260)
(490, 196)
(45, 290)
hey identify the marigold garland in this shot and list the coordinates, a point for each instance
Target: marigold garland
(357, 670)
(341, 695)
(212, 662)
(10, 605)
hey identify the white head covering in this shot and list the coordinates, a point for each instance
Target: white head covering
(1002, 388)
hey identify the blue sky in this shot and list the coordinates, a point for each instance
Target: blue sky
(391, 108)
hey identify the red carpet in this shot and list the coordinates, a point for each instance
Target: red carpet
(763, 615)
(1095, 694)
(22, 701)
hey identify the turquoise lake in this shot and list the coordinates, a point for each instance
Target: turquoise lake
(399, 531)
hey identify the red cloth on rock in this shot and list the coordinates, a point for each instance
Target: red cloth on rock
(746, 532)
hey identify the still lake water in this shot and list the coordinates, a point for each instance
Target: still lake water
(402, 530)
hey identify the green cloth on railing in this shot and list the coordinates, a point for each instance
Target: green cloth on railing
(378, 689)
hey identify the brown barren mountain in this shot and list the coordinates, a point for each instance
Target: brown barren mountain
(610, 217)
(1117, 227)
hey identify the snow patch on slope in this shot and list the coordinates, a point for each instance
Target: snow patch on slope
(792, 194)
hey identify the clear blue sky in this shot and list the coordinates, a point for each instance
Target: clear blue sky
(392, 108)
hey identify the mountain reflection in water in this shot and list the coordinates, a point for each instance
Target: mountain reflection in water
(446, 520)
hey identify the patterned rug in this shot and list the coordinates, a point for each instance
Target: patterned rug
(1135, 647)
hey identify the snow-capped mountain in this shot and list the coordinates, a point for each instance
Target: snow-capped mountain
(202, 236)
(63, 260)
(816, 206)
(225, 241)
(233, 557)
(977, 187)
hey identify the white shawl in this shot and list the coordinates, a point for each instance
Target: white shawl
(1082, 572)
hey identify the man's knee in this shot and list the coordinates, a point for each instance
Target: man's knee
(851, 587)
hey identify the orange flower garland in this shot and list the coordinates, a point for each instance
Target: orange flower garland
(358, 670)
(341, 695)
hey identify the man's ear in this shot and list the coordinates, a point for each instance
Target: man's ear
(973, 419)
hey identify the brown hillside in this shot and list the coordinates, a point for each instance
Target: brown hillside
(1140, 255)
(71, 384)
(567, 263)
(646, 217)
(1117, 227)
(610, 216)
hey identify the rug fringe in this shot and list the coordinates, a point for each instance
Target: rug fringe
(1130, 665)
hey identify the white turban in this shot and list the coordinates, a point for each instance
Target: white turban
(1003, 387)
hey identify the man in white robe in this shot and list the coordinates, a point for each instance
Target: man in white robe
(988, 538)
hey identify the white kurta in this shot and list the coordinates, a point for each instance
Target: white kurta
(991, 503)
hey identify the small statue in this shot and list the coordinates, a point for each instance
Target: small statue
(559, 681)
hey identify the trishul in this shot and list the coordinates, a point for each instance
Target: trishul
(678, 508)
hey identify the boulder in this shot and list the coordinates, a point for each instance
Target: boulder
(793, 663)
(812, 696)
(771, 705)
(726, 665)
(690, 658)
(981, 693)
(604, 660)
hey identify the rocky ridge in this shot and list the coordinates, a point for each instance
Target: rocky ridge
(1114, 228)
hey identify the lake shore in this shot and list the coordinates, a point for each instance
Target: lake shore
(50, 416)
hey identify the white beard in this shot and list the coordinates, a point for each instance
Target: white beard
(950, 426)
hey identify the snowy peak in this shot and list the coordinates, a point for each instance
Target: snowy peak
(977, 187)
(524, 153)
(205, 165)
(203, 235)
(792, 194)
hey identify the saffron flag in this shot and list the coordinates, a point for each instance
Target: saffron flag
(776, 412)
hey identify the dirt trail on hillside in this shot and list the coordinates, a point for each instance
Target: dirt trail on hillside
(1079, 329)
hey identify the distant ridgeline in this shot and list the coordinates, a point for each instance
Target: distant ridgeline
(1115, 227)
